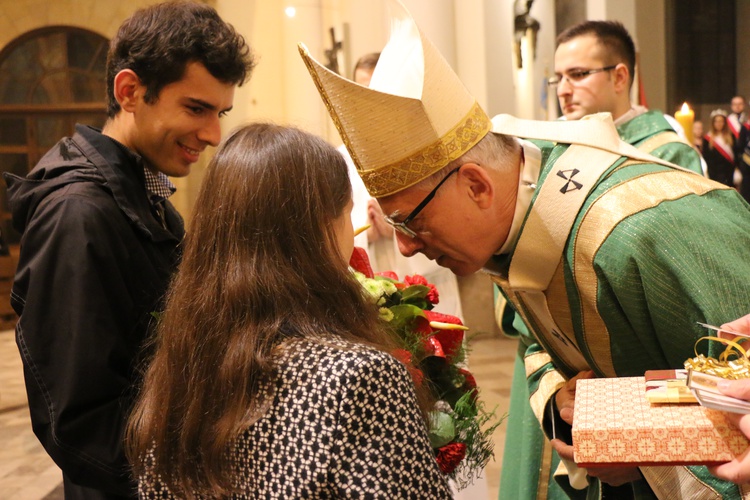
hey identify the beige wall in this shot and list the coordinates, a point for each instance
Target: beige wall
(475, 36)
(18, 17)
(743, 48)
(650, 39)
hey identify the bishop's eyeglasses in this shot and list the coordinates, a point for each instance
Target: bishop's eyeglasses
(401, 227)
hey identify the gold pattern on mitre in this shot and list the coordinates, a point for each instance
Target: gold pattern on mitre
(397, 141)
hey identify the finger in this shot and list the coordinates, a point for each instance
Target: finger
(374, 206)
(563, 449)
(580, 376)
(742, 422)
(741, 325)
(726, 335)
(732, 471)
(567, 415)
(735, 388)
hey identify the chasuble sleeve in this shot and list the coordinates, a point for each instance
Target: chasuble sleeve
(680, 154)
(674, 257)
(659, 272)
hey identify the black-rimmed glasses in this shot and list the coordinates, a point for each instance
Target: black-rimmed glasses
(577, 75)
(401, 226)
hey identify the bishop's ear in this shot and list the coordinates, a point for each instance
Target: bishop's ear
(478, 184)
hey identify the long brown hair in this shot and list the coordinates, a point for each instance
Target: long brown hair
(725, 133)
(260, 265)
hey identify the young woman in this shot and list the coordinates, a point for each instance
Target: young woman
(270, 376)
(718, 146)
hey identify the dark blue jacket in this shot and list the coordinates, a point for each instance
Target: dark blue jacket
(95, 262)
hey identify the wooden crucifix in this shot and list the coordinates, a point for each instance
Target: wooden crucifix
(332, 53)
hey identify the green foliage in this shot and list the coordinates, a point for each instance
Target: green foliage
(474, 426)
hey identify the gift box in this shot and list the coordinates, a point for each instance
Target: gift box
(614, 424)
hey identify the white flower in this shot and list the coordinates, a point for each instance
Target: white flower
(388, 287)
(374, 289)
(385, 314)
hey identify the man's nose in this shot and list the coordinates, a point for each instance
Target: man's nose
(408, 246)
(211, 132)
(564, 87)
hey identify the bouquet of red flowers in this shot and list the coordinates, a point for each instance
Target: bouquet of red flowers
(433, 350)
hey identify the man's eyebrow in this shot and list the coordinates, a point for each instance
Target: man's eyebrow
(574, 68)
(206, 105)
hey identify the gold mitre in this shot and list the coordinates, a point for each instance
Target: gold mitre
(415, 117)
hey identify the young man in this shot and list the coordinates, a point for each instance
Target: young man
(100, 240)
(739, 125)
(606, 251)
(594, 71)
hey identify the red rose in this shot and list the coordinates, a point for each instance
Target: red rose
(417, 375)
(406, 357)
(433, 296)
(470, 384)
(416, 280)
(469, 380)
(402, 355)
(449, 456)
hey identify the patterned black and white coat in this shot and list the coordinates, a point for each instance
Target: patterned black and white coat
(344, 423)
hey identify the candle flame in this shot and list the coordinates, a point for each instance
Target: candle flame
(685, 107)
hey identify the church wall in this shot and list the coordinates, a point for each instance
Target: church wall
(475, 36)
(498, 29)
(743, 48)
(651, 42)
(18, 17)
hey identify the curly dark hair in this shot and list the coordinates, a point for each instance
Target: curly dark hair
(158, 42)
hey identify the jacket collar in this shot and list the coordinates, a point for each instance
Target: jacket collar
(124, 176)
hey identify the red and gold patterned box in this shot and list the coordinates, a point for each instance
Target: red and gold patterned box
(614, 424)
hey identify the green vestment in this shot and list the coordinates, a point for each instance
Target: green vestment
(651, 132)
(641, 267)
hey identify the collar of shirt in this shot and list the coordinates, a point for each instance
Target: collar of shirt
(632, 113)
(528, 177)
(158, 185)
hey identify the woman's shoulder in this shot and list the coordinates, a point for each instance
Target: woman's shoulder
(334, 349)
(336, 356)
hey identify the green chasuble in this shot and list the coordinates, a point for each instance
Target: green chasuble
(651, 132)
(652, 251)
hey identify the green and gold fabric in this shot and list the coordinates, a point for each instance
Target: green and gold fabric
(652, 133)
(652, 251)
